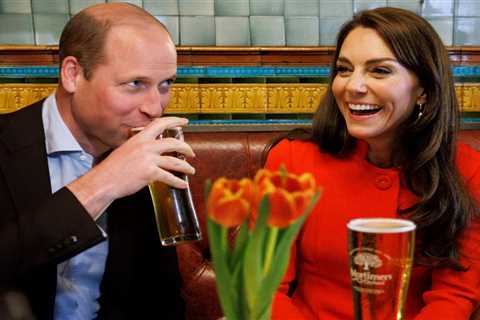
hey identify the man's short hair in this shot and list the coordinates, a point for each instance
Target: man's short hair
(84, 38)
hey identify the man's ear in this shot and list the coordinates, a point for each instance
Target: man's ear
(70, 72)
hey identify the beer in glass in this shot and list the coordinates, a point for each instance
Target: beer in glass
(175, 214)
(380, 258)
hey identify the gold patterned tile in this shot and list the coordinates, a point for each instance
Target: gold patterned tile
(294, 98)
(459, 93)
(227, 98)
(16, 96)
(185, 99)
(471, 97)
(233, 98)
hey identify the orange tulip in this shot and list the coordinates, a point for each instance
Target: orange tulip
(289, 195)
(257, 259)
(230, 201)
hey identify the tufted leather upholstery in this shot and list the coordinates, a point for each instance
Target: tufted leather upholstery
(233, 155)
(228, 154)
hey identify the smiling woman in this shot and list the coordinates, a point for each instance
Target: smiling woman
(384, 144)
(374, 92)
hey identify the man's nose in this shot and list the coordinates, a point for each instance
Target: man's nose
(357, 83)
(155, 102)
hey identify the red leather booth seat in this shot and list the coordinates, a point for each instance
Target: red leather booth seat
(233, 155)
(228, 154)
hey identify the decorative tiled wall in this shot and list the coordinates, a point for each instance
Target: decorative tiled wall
(204, 99)
(241, 22)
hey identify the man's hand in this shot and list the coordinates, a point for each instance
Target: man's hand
(140, 160)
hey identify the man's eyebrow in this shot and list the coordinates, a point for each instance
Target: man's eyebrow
(148, 79)
(138, 78)
(172, 78)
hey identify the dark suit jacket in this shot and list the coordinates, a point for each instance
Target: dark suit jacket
(39, 230)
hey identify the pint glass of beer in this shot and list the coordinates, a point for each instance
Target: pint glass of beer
(380, 256)
(177, 221)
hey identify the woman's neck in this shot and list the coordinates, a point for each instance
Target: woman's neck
(380, 154)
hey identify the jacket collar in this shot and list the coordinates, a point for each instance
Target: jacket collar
(23, 128)
(23, 159)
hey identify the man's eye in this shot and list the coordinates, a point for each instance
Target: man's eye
(165, 86)
(166, 83)
(135, 83)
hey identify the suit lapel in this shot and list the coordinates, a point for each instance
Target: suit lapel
(24, 162)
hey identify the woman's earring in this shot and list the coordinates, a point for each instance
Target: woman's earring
(420, 110)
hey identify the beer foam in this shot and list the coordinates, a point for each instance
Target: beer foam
(381, 225)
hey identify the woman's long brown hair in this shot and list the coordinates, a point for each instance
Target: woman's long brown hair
(425, 146)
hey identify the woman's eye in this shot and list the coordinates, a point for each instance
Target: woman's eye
(341, 69)
(381, 70)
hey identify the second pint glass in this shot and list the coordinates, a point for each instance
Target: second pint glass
(380, 256)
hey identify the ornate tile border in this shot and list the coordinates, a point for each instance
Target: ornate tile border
(228, 98)
(15, 96)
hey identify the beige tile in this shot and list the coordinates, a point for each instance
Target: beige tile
(16, 29)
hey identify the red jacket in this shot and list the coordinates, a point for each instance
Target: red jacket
(353, 188)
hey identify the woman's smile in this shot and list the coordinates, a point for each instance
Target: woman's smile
(363, 109)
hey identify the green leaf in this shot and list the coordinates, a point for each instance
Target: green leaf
(253, 261)
(263, 211)
(270, 246)
(227, 293)
(264, 311)
(285, 238)
(282, 254)
(240, 243)
(236, 265)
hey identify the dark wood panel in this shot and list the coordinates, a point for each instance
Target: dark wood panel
(28, 55)
(226, 56)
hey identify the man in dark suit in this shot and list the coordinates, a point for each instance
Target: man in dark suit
(78, 238)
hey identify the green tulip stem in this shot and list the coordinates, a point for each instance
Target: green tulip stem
(271, 242)
(223, 238)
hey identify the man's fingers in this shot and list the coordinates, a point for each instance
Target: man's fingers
(170, 179)
(170, 163)
(157, 126)
(168, 145)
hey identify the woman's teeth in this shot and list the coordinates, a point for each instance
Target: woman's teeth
(364, 109)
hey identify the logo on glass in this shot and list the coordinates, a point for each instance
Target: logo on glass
(364, 260)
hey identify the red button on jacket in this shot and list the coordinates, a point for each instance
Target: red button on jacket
(383, 182)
